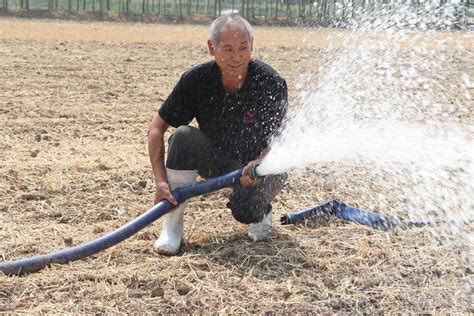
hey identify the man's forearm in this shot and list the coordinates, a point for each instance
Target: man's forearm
(156, 151)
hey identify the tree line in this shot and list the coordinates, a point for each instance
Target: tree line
(319, 12)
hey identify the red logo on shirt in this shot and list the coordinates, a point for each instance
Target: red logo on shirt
(249, 118)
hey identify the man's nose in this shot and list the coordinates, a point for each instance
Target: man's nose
(236, 56)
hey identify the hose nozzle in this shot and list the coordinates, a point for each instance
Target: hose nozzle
(253, 172)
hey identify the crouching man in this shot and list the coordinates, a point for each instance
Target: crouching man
(239, 104)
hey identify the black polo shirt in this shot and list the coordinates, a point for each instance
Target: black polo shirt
(241, 124)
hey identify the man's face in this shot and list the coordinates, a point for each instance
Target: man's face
(233, 52)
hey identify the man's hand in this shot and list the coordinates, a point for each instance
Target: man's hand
(245, 179)
(163, 192)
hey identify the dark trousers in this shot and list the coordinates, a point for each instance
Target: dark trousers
(190, 149)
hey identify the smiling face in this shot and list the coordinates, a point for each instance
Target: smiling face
(233, 52)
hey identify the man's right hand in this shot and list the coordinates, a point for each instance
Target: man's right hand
(163, 192)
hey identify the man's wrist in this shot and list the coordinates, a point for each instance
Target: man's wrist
(160, 182)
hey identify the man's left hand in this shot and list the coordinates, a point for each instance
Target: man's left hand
(245, 179)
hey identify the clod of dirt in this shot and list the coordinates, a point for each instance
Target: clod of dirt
(104, 216)
(158, 291)
(103, 167)
(183, 289)
(111, 94)
(98, 230)
(63, 220)
(40, 137)
(30, 209)
(68, 241)
(330, 283)
(142, 184)
(339, 304)
(35, 153)
(137, 293)
(33, 197)
(229, 254)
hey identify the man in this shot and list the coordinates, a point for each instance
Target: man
(239, 104)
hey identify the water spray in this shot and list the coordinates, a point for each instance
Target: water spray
(390, 101)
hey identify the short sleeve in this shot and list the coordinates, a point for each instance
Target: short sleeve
(177, 108)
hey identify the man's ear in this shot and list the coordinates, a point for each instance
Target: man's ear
(211, 48)
(251, 44)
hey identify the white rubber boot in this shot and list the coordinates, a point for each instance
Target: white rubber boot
(172, 231)
(262, 230)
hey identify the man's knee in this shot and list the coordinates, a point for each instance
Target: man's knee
(248, 211)
(185, 150)
(251, 204)
(182, 136)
